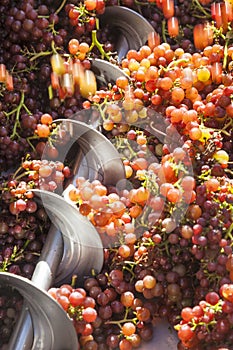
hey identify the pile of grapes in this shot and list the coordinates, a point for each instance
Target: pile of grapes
(167, 233)
(10, 306)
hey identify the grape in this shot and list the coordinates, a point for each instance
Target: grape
(11, 303)
(156, 264)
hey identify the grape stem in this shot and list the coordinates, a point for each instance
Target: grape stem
(60, 7)
(123, 320)
(176, 63)
(119, 145)
(102, 108)
(50, 92)
(44, 53)
(228, 234)
(16, 255)
(201, 8)
(73, 281)
(29, 141)
(28, 172)
(40, 54)
(140, 3)
(164, 30)
(95, 42)
(17, 111)
(126, 268)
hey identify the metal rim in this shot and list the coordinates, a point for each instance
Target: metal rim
(83, 249)
(133, 28)
(52, 328)
(100, 159)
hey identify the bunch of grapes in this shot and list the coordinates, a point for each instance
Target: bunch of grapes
(167, 235)
(106, 313)
(23, 230)
(34, 33)
(24, 222)
(17, 192)
(80, 308)
(11, 303)
(208, 324)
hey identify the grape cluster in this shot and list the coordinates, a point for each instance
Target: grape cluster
(208, 324)
(33, 32)
(80, 308)
(24, 222)
(106, 313)
(167, 235)
(17, 191)
(11, 303)
(22, 237)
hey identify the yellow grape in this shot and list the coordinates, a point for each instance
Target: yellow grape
(206, 134)
(57, 63)
(128, 171)
(221, 156)
(88, 85)
(203, 74)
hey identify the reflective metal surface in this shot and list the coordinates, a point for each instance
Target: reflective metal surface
(52, 329)
(131, 28)
(83, 250)
(105, 71)
(100, 158)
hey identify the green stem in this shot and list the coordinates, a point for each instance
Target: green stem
(44, 53)
(4, 265)
(100, 109)
(140, 3)
(119, 322)
(163, 31)
(73, 281)
(95, 42)
(26, 109)
(18, 254)
(17, 122)
(197, 3)
(133, 153)
(225, 54)
(130, 271)
(97, 23)
(60, 7)
(23, 175)
(29, 141)
(16, 172)
(200, 16)
(50, 92)
(40, 54)
(228, 233)
(176, 62)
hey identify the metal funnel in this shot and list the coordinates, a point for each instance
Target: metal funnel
(82, 246)
(100, 159)
(52, 329)
(131, 27)
(105, 71)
